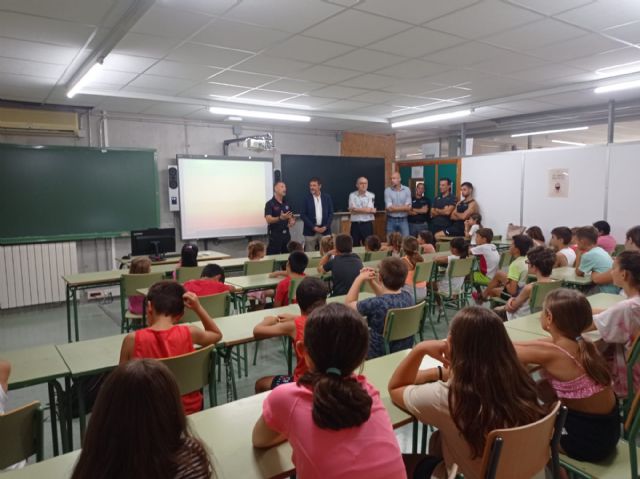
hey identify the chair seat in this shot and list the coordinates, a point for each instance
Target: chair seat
(129, 315)
(615, 467)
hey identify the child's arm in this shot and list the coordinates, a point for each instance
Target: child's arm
(324, 260)
(272, 326)
(511, 286)
(366, 274)
(532, 352)
(441, 260)
(263, 436)
(5, 372)
(602, 278)
(126, 351)
(211, 333)
(577, 263)
(514, 304)
(278, 274)
(561, 261)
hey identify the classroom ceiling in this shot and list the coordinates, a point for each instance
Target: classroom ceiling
(350, 64)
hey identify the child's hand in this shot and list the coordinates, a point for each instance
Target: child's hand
(367, 274)
(191, 301)
(510, 307)
(438, 349)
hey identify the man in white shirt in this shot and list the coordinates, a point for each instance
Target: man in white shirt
(362, 209)
(316, 214)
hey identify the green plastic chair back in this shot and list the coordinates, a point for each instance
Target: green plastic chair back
(264, 266)
(497, 237)
(539, 292)
(505, 259)
(187, 273)
(314, 262)
(217, 305)
(195, 370)
(21, 434)
(619, 249)
(442, 246)
(362, 255)
(129, 286)
(402, 323)
(424, 272)
(293, 287)
(375, 255)
(631, 361)
(460, 268)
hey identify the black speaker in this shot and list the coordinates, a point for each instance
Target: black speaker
(276, 176)
(174, 191)
(173, 177)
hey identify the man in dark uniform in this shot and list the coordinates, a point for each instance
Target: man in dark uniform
(279, 217)
(443, 206)
(418, 216)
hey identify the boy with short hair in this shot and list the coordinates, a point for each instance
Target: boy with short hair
(372, 243)
(561, 241)
(296, 264)
(591, 258)
(294, 246)
(344, 265)
(164, 337)
(211, 282)
(389, 295)
(605, 240)
(311, 294)
(488, 256)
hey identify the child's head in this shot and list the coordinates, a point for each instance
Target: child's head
(294, 246)
(372, 243)
(603, 228)
(560, 237)
(311, 294)
(395, 241)
(426, 237)
(297, 262)
(326, 244)
(213, 271)
(189, 255)
(587, 237)
(535, 233)
(165, 298)
(541, 260)
(521, 244)
(568, 312)
(459, 247)
(412, 250)
(574, 237)
(626, 270)
(476, 219)
(484, 236)
(393, 273)
(633, 239)
(336, 340)
(139, 400)
(344, 244)
(256, 250)
(140, 265)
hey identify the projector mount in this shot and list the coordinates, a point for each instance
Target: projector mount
(254, 143)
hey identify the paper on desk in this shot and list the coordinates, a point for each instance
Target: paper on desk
(429, 363)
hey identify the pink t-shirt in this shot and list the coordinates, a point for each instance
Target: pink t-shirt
(607, 243)
(369, 451)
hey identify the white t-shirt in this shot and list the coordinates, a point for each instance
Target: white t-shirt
(4, 401)
(489, 258)
(472, 234)
(317, 201)
(456, 283)
(570, 255)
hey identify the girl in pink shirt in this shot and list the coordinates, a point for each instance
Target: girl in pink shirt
(334, 420)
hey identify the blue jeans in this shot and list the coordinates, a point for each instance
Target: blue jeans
(415, 228)
(400, 225)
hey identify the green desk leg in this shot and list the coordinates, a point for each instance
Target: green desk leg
(227, 355)
(414, 437)
(74, 300)
(68, 302)
(82, 414)
(68, 415)
(54, 422)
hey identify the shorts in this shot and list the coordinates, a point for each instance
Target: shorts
(455, 229)
(591, 437)
(280, 380)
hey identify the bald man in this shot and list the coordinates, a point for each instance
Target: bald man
(397, 200)
(362, 209)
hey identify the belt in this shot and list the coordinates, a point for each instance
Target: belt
(370, 221)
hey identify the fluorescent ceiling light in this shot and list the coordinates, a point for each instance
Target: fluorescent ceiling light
(258, 114)
(618, 86)
(546, 132)
(414, 154)
(234, 118)
(622, 69)
(88, 77)
(564, 142)
(431, 118)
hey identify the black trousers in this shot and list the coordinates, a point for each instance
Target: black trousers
(278, 242)
(360, 230)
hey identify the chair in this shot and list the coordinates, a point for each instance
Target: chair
(631, 361)
(442, 246)
(425, 272)
(293, 286)
(375, 255)
(524, 451)
(217, 305)
(497, 237)
(187, 273)
(539, 292)
(401, 323)
(618, 249)
(458, 268)
(21, 435)
(505, 260)
(264, 266)
(129, 286)
(193, 371)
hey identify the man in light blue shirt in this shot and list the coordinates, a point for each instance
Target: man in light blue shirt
(591, 258)
(397, 200)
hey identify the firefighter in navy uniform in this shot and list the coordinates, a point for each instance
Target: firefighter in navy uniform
(279, 217)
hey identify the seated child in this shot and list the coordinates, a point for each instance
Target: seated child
(560, 241)
(459, 250)
(605, 240)
(488, 257)
(188, 256)
(211, 282)
(332, 417)
(427, 242)
(296, 264)
(5, 372)
(140, 265)
(294, 246)
(389, 295)
(257, 299)
(394, 243)
(326, 244)
(535, 233)
(164, 337)
(372, 243)
(471, 227)
(344, 265)
(576, 374)
(591, 259)
(632, 243)
(311, 294)
(412, 257)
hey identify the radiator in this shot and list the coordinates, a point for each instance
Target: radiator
(32, 274)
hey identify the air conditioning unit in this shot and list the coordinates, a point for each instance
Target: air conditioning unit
(39, 120)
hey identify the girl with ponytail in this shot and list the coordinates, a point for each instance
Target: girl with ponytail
(577, 375)
(334, 419)
(412, 257)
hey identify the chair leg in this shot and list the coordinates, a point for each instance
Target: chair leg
(255, 353)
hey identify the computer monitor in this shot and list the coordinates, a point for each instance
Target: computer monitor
(153, 242)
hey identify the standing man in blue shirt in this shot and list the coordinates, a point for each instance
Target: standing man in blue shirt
(317, 213)
(443, 206)
(279, 218)
(397, 200)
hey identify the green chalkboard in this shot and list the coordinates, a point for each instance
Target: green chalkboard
(64, 193)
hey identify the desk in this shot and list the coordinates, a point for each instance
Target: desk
(59, 467)
(568, 276)
(39, 365)
(175, 259)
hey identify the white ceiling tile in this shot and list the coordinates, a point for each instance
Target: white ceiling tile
(577, 98)
(375, 97)
(457, 77)
(411, 87)
(607, 59)
(206, 90)
(22, 87)
(344, 106)
(377, 110)
(365, 60)
(308, 49)
(603, 14)
(576, 48)
(356, 28)
(416, 42)
(114, 79)
(507, 63)
(22, 67)
(39, 52)
(241, 36)
(287, 15)
(90, 13)
(243, 79)
(326, 74)
(210, 7)
(127, 63)
(264, 95)
(272, 65)
(447, 93)
(536, 34)
(497, 87)
(171, 109)
(124, 105)
(483, 19)
(466, 54)
(369, 80)
(207, 55)
(188, 71)
(414, 69)
(140, 44)
(551, 7)
(413, 11)
(526, 106)
(37, 29)
(337, 92)
(160, 84)
(295, 86)
(312, 101)
(170, 22)
(547, 72)
(629, 32)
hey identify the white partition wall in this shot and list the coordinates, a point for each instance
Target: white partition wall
(624, 175)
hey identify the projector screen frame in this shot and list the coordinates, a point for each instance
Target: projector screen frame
(180, 158)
